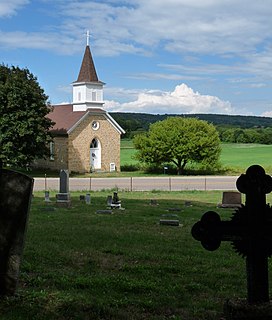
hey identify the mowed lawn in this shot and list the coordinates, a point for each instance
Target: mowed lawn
(243, 155)
(234, 155)
(80, 265)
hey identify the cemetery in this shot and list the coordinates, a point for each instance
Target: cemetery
(80, 262)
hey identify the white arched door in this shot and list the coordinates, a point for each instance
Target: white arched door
(95, 154)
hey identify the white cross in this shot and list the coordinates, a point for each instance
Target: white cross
(88, 37)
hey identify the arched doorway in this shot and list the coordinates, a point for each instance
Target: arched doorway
(95, 154)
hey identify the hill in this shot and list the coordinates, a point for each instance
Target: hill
(141, 121)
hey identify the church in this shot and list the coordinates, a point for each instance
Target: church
(86, 137)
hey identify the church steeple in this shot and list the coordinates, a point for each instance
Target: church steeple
(87, 90)
(87, 71)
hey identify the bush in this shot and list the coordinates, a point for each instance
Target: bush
(130, 167)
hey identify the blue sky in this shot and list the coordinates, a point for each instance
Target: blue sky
(155, 56)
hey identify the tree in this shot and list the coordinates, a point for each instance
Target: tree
(179, 140)
(24, 128)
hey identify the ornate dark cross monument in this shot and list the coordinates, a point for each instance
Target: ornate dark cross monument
(249, 230)
(15, 197)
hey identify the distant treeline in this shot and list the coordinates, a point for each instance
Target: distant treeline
(231, 128)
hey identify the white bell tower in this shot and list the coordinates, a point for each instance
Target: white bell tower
(87, 90)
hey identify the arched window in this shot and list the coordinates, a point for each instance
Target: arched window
(94, 143)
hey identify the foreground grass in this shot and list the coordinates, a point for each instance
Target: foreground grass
(81, 265)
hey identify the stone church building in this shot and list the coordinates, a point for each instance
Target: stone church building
(86, 137)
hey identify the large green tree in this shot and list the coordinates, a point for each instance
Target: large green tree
(24, 127)
(179, 140)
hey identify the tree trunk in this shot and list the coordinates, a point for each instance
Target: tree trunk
(181, 165)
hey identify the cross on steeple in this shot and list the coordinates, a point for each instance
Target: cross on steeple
(88, 37)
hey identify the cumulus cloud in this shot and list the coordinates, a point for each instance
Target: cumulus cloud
(9, 8)
(267, 114)
(181, 100)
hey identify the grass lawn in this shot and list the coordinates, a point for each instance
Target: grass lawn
(241, 156)
(81, 265)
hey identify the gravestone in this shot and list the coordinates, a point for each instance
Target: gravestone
(63, 197)
(231, 199)
(46, 196)
(250, 232)
(169, 220)
(15, 197)
(88, 198)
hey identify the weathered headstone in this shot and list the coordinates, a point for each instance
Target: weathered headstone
(64, 181)
(169, 220)
(63, 197)
(250, 232)
(15, 197)
(231, 199)
(46, 196)
(88, 198)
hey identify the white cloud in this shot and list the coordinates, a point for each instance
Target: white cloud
(10, 7)
(267, 114)
(182, 100)
(140, 26)
(206, 26)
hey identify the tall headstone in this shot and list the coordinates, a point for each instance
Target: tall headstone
(250, 233)
(64, 181)
(63, 197)
(15, 197)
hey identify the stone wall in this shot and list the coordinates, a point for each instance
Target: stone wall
(59, 158)
(80, 140)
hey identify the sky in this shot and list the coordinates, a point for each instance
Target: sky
(155, 56)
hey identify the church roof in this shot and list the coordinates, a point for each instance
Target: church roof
(66, 119)
(87, 71)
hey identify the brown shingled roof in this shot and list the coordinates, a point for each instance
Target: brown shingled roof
(65, 118)
(87, 71)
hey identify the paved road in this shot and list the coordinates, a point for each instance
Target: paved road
(141, 183)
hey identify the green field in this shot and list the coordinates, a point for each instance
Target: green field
(80, 265)
(236, 157)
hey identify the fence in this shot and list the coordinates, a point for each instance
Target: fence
(141, 183)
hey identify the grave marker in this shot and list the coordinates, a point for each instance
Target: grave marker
(15, 197)
(250, 232)
(231, 199)
(63, 197)
(88, 198)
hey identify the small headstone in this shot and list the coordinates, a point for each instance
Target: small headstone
(88, 198)
(46, 196)
(15, 196)
(169, 222)
(231, 199)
